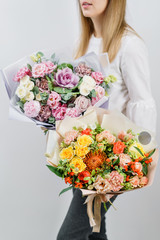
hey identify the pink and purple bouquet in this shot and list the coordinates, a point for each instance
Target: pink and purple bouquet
(47, 91)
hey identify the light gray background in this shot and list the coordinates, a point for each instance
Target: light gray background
(30, 208)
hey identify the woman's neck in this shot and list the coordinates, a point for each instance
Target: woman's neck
(97, 22)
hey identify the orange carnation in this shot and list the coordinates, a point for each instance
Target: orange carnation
(118, 147)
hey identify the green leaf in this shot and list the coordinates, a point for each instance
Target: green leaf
(54, 170)
(67, 96)
(151, 153)
(64, 65)
(105, 207)
(138, 150)
(44, 95)
(39, 54)
(86, 178)
(35, 90)
(93, 172)
(145, 168)
(29, 67)
(117, 161)
(62, 90)
(51, 120)
(21, 105)
(106, 171)
(65, 190)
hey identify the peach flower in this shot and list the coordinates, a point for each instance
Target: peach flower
(124, 159)
(134, 181)
(143, 181)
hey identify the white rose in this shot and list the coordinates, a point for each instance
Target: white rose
(29, 96)
(38, 97)
(25, 80)
(87, 85)
(29, 86)
(21, 92)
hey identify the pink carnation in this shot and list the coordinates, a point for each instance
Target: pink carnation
(124, 159)
(39, 70)
(100, 92)
(134, 181)
(73, 112)
(22, 73)
(70, 136)
(60, 112)
(143, 181)
(115, 179)
(82, 103)
(49, 67)
(53, 100)
(98, 77)
(32, 108)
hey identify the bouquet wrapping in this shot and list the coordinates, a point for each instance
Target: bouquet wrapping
(44, 90)
(102, 153)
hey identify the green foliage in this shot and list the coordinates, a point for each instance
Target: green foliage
(138, 150)
(29, 67)
(64, 65)
(54, 170)
(145, 168)
(62, 90)
(65, 190)
(50, 83)
(21, 105)
(35, 90)
(51, 120)
(151, 153)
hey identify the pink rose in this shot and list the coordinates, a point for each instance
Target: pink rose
(32, 108)
(138, 166)
(49, 67)
(100, 92)
(73, 112)
(125, 136)
(98, 77)
(70, 136)
(134, 181)
(110, 137)
(39, 70)
(22, 73)
(60, 112)
(124, 159)
(82, 103)
(143, 181)
(53, 100)
(115, 179)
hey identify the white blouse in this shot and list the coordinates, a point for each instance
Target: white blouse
(131, 93)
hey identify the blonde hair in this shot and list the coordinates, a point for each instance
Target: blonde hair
(113, 28)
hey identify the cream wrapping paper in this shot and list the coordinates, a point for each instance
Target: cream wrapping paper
(115, 122)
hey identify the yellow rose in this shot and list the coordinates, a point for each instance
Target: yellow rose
(134, 151)
(78, 164)
(66, 153)
(84, 140)
(81, 151)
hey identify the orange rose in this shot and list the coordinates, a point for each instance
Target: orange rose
(83, 175)
(118, 147)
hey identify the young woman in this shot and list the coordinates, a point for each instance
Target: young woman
(104, 29)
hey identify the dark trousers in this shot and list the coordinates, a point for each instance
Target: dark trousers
(76, 223)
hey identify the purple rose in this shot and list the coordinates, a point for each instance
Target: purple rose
(66, 78)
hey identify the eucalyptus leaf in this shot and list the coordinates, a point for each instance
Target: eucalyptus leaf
(65, 190)
(62, 90)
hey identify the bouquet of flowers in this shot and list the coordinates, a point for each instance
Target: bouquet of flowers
(100, 161)
(46, 90)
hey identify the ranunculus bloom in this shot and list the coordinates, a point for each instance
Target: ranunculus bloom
(53, 100)
(102, 185)
(100, 92)
(143, 181)
(22, 73)
(83, 175)
(115, 179)
(124, 159)
(59, 113)
(32, 108)
(118, 147)
(66, 78)
(70, 136)
(134, 181)
(82, 103)
(98, 77)
(49, 67)
(39, 70)
(73, 112)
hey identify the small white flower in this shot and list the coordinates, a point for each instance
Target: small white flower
(87, 85)
(24, 80)
(29, 96)
(29, 86)
(21, 91)
(38, 97)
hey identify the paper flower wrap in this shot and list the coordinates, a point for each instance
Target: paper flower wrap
(115, 122)
(43, 78)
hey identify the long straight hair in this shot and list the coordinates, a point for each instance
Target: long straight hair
(113, 28)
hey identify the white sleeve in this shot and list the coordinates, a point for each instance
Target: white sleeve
(141, 107)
